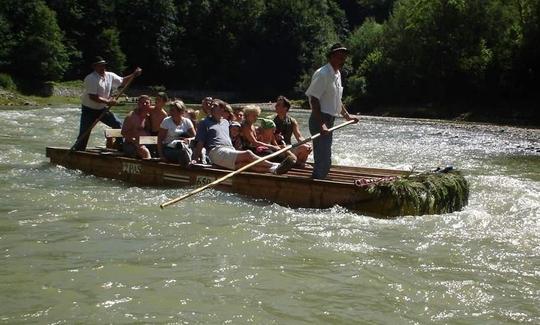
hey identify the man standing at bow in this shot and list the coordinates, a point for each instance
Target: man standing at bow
(96, 99)
(324, 94)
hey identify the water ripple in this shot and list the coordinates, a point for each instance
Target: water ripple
(75, 248)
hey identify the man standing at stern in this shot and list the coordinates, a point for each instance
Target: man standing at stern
(96, 99)
(324, 95)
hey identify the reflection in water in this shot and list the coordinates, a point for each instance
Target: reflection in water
(75, 248)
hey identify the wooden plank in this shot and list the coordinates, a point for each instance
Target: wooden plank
(147, 139)
(113, 133)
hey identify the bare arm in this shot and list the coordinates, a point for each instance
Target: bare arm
(252, 140)
(197, 152)
(346, 114)
(296, 132)
(191, 133)
(274, 142)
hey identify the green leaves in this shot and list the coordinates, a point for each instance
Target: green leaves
(402, 51)
(37, 51)
(446, 50)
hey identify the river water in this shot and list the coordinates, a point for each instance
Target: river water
(78, 249)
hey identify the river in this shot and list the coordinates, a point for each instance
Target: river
(79, 249)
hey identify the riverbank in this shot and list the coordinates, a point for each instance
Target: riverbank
(63, 94)
(499, 114)
(68, 93)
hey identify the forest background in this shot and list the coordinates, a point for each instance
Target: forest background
(449, 56)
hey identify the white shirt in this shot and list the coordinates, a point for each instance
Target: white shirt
(101, 86)
(174, 132)
(326, 87)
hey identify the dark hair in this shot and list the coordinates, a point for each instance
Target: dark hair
(220, 103)
(163, 95)
(285, 101)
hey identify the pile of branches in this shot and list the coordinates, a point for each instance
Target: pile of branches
(425, 193)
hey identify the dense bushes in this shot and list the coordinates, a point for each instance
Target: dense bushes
(6, 82)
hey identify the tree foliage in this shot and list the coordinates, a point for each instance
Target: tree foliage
(402, 51)
(35, 48)
(442, 51)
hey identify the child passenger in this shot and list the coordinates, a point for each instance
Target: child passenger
(234, 132)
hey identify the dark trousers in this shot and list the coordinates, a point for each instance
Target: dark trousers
(88, 117)
(322, 146)
(181, 154)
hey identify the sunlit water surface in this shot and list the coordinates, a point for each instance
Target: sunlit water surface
(78, 249)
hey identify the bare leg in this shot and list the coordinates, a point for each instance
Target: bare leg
(246, 157)
(291, 154)
(143, 152)
(302, 152)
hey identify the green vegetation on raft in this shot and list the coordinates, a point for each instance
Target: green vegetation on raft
(425, 193)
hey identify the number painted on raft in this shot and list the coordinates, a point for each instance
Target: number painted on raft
(131, 168)
(204, 180)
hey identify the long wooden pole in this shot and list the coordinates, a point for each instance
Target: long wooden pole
(251, 164)
(107, 108)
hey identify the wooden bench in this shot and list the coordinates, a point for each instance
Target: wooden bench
(111, 134)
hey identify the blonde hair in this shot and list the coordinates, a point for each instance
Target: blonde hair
(252, 109)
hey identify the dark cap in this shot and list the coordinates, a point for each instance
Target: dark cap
(337, 47)
(99, 60)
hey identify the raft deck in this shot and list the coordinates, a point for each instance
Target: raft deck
(357, 188)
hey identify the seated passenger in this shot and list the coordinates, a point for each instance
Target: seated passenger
(192, 115)
(236, 139)
(134, 127)
(286, 126)
(238, 114)
(229, 113)
(174, 135)
(157, 114)
(205, 108)
(266, 131)
(249, 135)
(213, 134)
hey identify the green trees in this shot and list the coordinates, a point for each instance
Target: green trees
(33, 46)
(293, 38)
(90, 29)
(402, 51)
(261, 48)
(148, 33)
(442, 51)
